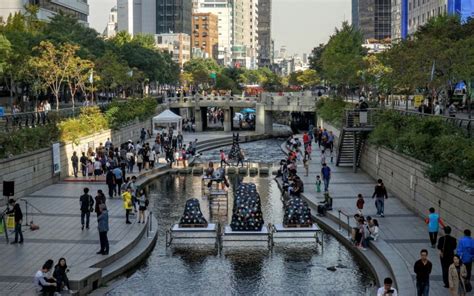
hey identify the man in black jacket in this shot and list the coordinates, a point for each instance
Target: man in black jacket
(87, 205)
(16, 211)
(446, 246)
(110, 181)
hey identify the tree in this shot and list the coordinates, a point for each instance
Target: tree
(309, 78)
(77, 74)
(374, 73)
(342, 57)
(5, 51)
(315, 61)
(201, 69)
(113, 72)
(52, 65)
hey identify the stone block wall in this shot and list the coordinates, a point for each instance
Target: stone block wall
(404, 177)
(34, 170)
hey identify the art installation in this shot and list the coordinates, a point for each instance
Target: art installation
(192, 216)
(247, 212)
(297, 213)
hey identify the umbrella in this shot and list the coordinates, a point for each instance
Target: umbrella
(248, 110)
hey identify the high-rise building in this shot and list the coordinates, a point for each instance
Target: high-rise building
(136, 16)
(419, 12)
(174, 16)
(238, 48)
(205, 34)
(223, 10)
(463, 8)
(265, 33)
(47, 8)
(250, 28)
(177, 44)
(112, 25)
(372, 18)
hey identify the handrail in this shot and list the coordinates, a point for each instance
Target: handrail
(340, 222)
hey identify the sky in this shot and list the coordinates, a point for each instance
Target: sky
(298, 24)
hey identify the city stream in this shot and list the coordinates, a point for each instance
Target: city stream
(294, 269)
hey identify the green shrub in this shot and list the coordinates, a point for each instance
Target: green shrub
(121, 113)
(90, 121)
(443, 147)
(331, 110)
(27, 140)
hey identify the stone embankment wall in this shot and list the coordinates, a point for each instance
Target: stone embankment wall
(404, 177)
(33, 171)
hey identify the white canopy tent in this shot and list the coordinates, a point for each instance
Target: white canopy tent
(167, 119)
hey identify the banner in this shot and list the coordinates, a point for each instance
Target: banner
(56, 159)
(418, 100)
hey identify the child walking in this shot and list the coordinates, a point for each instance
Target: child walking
(318, 183)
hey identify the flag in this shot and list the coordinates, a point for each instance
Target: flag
(433, 70)
(91, 77)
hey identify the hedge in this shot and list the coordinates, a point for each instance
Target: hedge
(90, 121)
(332, 110)
(443, 147)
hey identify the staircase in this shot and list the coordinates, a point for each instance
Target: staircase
(352, 138)
(347, 142)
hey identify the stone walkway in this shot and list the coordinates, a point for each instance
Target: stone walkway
(401, 229)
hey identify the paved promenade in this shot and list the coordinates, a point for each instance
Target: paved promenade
(401, 229)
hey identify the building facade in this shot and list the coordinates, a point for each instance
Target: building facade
(205, 34)
(265, 49)
(112, 25)
(177, 44)
(47, 8)
(420, 11)
(373, 18)
(174, 16)
(136, 16)
(251, 20)
(223, 10)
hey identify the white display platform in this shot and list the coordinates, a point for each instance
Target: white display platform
(194, 235)
(245, 238)
(283, 234)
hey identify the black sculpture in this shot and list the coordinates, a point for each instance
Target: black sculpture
(247, 211)
(192, 216)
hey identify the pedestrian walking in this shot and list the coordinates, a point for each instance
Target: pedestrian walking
(99, 200)
(83, 161)
(318, 183)
(457, 277)
(422, 270)
(142, 205)
(306, 166)
(103, 228)
(223, 158)
(433, 220)
(110, 181)
(60, 274)
(326, 173)
(360, 204)
(134, 188)
(387, 289)
(44, 283)
(465, 251)
(18, 217)
(118, 179)
(75, 163)
(127, 204)
(380, 193)
(446, 246)
(87, 204)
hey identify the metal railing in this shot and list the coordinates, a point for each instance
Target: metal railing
(33, 119)
(359, 118)
(340, 212)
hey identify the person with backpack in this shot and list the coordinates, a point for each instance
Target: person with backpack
(86, 203)
(465, 251)
(380, 193)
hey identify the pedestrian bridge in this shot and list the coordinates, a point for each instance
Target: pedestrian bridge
(264, 104)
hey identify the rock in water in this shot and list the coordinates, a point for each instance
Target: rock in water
(331, 268)
(192, 216)
(247, 211)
